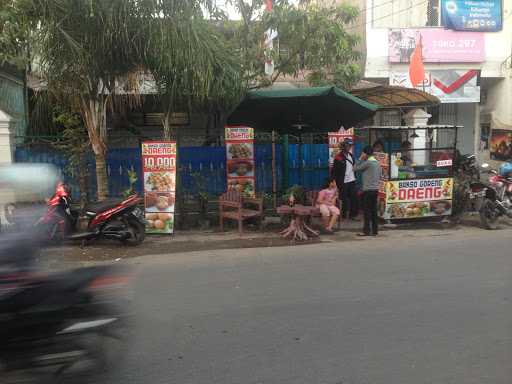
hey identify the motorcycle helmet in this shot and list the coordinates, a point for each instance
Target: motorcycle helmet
(506, 170)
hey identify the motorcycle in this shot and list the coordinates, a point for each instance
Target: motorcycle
(469, 190)
(61, 324)
(117, 219)
(498, 200)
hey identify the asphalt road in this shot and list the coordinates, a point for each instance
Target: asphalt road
(399, 309)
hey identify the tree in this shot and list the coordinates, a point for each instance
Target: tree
(191, 63)
(14, 33)
(74, 143)
(84, 48)
(311, 38)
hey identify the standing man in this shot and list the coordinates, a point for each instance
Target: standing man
(370, 167)
(343, 173)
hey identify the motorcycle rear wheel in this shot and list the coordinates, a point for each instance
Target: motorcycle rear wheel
(138, 233)
(489, 214)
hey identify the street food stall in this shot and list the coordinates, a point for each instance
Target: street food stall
(417, 173)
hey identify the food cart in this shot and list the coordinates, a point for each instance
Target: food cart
(417, 173)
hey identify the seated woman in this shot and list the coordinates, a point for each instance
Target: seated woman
(326, 201)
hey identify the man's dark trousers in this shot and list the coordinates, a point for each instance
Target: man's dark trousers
(349, 206)
(371, 220)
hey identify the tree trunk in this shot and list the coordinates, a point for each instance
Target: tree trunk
(93, 111)
(101, 176)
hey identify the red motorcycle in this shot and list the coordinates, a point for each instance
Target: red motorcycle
(498, 200)
(117, 219)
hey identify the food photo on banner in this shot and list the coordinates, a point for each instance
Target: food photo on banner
(418, 198)
(501, 145)
(159, 169)
(240, 165)
(472, 15)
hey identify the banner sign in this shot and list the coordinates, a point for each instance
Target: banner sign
(439, 45)
(449, 85)
(335, 139)
(472, 15)
(159, 170)
(418, 198)
(383, 159)
(240, 165)
(501, 145)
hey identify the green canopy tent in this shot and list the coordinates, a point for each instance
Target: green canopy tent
(299, 110)
(318, 109)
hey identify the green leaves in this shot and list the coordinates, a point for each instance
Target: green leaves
(312, 40)
(189, 58)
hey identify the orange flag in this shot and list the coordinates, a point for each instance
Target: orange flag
(416, 69)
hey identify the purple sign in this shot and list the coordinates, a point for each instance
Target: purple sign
(439, 45)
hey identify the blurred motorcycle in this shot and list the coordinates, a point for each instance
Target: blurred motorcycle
(58, 324)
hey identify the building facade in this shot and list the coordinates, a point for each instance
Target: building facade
(466, 51)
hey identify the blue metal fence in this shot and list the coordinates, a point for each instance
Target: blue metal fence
(309, 169)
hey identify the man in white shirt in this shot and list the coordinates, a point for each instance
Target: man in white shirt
(343, 172)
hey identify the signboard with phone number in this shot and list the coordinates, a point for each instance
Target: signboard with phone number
(472, 15)
(159, 169)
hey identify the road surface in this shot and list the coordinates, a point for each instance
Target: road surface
(398, 309)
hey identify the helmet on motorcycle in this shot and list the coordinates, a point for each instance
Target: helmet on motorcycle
(506, 170)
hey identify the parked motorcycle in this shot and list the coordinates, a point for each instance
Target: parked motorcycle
(118, 219)
(469, 190)
(53, 326)
(498, 199)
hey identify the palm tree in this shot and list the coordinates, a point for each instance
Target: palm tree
(193, 67)
(83, 49)
(87, 47)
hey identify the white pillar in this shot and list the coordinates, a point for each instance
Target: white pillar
(6, 157)
(6, 138)
(418, 118)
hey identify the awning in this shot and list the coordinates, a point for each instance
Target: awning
(386, 96)
(310, 109)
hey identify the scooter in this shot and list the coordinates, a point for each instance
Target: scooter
(54, 325)
(497, 201)
(117, 219)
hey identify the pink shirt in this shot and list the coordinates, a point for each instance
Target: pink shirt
(326, 196)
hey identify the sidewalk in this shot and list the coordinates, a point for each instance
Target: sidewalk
(197, 240)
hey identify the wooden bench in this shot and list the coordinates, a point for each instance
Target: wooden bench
(232, 205)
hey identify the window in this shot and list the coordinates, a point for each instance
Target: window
(405, 13)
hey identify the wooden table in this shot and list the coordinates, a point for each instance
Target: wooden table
(298, 229)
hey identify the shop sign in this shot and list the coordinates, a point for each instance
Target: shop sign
(449, 85)
(501, 145)
(240, 166)
(444, 163)
(159, 171)
(472, 15)
(335, 139)
(418, 198)
(439, 45)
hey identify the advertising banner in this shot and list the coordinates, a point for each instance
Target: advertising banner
(240, 165)
(335, 139)
(439, 45)
(472, 15)
(449, 85)
(418, 198)
(501, 145)
(159, 170)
